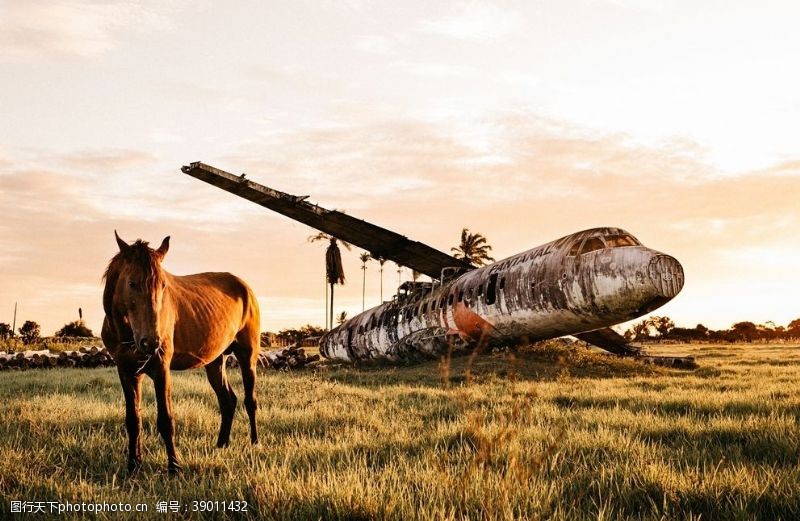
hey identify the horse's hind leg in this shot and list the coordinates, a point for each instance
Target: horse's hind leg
(246, 350)
(225, 396)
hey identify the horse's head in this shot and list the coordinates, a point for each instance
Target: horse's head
(139, 292)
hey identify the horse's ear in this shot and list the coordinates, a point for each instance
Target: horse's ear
(123, 246)
(164, 248)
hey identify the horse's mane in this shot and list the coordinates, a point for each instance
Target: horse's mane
(138, 254)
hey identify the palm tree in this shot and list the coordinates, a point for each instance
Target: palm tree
(473, 248)
(341, 317)
(381, 260)
(364, 258)
(334, 272)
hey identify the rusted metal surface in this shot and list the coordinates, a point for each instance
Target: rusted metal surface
(380, 242)
(582, 282)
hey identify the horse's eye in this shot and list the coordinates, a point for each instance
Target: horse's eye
(131, 284)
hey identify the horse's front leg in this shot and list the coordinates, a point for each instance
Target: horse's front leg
(132, 389)
(166, 427)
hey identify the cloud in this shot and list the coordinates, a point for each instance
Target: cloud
(436, 70)
(106, 161)
(288, 77)
(476, 21)
(43, 191)
(78, 28)
(746, 256)
(374, 44)
(659, 7)
(784, 168)
(540, 158)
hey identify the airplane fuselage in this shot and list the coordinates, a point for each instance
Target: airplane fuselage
(582, 282)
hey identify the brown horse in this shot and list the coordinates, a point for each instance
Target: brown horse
(156, 321)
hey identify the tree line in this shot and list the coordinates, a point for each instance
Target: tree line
(31, 332)
(292, 335)
(664, 328)
(651, 328)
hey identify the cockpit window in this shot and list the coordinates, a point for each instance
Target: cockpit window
(592, 244)
(574, 250)
(617, 241)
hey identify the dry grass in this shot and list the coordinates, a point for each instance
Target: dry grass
(52, 343)
(543, 433)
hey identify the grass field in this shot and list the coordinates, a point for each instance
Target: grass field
(547, 432)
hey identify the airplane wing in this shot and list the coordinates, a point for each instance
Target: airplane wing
(613, 342)
(609, 340)
(380, 242)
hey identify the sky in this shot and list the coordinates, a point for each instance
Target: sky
(525, 121)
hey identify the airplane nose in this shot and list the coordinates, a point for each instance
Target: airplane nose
(666, 273)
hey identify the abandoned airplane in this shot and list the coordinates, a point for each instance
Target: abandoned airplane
(578, 285)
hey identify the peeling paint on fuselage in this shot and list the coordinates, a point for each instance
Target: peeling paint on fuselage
(549, 291)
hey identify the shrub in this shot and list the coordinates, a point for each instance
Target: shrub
(30, 332)
(74, 329)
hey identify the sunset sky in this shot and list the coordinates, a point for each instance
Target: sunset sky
(525, 121)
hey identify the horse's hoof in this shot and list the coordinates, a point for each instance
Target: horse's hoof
(174, 469)
(134, 466)
(223, 444)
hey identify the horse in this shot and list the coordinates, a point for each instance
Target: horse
(156, 322)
